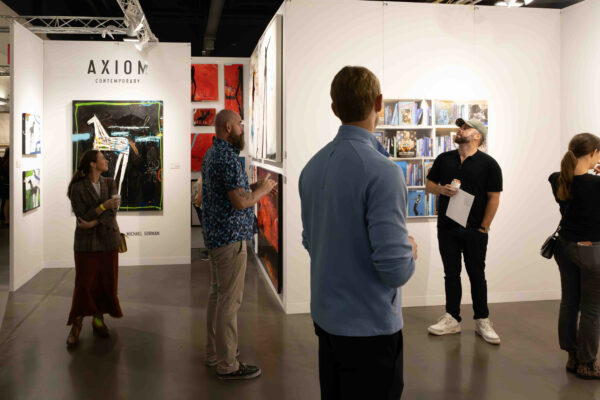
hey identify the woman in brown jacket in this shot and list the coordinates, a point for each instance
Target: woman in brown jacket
(97, 239)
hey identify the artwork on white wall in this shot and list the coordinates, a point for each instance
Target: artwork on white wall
(31, 190)
(32, 134)
(265, 88)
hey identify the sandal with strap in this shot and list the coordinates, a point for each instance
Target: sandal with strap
(100, 329)
(73, 338)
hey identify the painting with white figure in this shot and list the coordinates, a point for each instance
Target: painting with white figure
(130, 135)
(32, 134)
(31, 190)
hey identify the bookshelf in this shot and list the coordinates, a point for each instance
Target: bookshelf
(415, 132)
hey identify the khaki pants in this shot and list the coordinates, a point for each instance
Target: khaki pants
(227, 273)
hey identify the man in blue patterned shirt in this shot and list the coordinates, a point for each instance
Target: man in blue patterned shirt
(228, 221)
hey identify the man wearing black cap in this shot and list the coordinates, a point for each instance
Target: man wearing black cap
(480, 175)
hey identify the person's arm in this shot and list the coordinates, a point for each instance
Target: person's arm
(490, 210)
(392, 254)
(305, 241)
(242, 199)
(83, 224)
(439, 190)
(81, 210)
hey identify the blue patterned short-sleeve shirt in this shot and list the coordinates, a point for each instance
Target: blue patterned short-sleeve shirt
(222, 172)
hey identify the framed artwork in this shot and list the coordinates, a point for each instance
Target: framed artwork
(201, 142)
(195, 211)
(130, 135)
(234, 93)
(270, 228)
(204, 116)
(31, 190)
(265, 105)
(32, 134)
(205, 82)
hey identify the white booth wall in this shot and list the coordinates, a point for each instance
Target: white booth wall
(66, 79)
(27, 95)
(579, 70)
(510, 57)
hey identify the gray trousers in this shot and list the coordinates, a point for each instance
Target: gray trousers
(227, 273)
(580, 294)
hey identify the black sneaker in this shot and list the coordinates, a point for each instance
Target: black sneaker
(243, 372)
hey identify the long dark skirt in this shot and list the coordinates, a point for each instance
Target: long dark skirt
(96, 282)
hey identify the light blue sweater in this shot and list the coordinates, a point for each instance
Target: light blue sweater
(354, 228)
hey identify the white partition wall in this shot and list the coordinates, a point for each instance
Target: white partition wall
(27, 95)
(580, 79)
(509, 57)
(162, 237)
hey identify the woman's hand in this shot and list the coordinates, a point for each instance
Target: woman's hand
(113, 203)
(83, 224)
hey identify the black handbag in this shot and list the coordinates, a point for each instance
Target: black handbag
(549, 246)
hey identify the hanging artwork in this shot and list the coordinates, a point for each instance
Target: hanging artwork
(204, 116)
(270, 226)
(265, 106)
(201, 142)
(130, 135)
(32, 134)
(234, 79)
(31, 189)
(205, 82)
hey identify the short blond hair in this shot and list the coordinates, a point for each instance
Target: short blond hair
(354, 91)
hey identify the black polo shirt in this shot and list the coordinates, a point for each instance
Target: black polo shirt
(478, 175)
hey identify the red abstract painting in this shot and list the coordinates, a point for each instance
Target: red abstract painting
(201, 142)
(269, 227)
(205, 82)
(234, 80)
(204, 116)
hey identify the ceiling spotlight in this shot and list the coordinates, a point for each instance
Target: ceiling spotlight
(501, 4)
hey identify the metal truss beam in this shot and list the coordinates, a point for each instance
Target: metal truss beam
(72, 25)
(136, 21)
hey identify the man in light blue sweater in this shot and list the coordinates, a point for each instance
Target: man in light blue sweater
(354, 203)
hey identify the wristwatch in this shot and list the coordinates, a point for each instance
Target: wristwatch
(483, 228)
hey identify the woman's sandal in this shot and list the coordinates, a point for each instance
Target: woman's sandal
(73, 337)
(100, 329)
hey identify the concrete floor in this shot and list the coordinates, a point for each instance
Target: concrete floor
(157, 350)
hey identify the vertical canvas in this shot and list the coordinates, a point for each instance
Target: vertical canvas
(205, 82)
(31, 189)
(204, 116)
(265, 95)
(269, 214)
(130, 135)
(32, 134)
(201, 142)
(234, 80)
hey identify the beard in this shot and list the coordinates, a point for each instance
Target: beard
(462, 139)
(238, 141)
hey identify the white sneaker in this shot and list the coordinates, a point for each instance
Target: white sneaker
(445, 325)
(483, 327)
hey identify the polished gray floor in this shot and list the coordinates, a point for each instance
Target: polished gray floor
(157, 350)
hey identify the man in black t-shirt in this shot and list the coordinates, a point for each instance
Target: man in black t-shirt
(480, 175)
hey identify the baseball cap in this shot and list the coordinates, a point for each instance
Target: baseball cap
(474, 123)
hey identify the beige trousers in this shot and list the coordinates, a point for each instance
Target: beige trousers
(227, 273)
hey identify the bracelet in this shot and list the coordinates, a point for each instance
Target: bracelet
(102, 207)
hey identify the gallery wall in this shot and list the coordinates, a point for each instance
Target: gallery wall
(510, 57)
(27, 82)
(160, 237)
(580, 98)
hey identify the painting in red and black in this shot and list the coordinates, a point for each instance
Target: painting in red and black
(270, 228)
(205, 82)
(204, 116)
(201, 142)
(234, 79)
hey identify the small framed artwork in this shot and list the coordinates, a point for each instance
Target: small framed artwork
(204, 116)
(32, 134)
(31, 190)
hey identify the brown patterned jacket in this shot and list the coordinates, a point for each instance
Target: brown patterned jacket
(84, 199)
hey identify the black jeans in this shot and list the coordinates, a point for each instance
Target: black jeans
(580, 289)
(360, 367)
(472, 245)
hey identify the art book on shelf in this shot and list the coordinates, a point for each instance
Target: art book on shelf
(414, 173)
(431, 205)
(427, 164)
(444, 113)
(416, 203)
(403, 165)
(406, 143)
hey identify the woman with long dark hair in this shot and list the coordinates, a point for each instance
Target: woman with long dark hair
(578, 254)
(97, 239)
(5, 185)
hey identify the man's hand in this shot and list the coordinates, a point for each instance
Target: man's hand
(597, 169)
(267, 186)
(447, 190)
(414, 246)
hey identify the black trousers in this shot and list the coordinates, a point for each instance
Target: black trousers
(360, 367)
(472, 245)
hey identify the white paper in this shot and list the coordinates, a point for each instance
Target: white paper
(460, 207)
